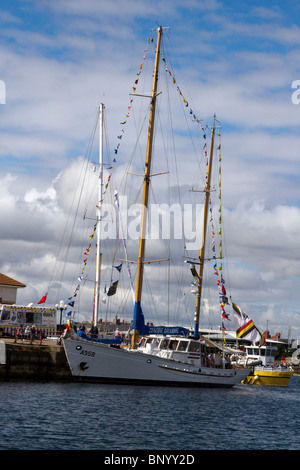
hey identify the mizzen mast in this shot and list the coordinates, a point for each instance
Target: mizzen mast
(207, 191)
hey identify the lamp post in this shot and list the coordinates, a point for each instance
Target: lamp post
(61, 306)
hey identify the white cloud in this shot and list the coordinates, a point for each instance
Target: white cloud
(241, 68)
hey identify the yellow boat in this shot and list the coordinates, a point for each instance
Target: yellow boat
(265, 371)
(276, 376)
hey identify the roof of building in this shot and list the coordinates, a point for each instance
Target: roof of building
(8, 281)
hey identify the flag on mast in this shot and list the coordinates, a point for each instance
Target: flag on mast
(245, 328)
(43, 299)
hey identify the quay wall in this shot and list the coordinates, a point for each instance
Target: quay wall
(34, 361)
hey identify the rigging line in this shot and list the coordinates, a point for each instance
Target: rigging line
(92, 195)
(172, 136)
(111, 187)
(170, 67)
(184, 113)
(171, 260)
(172, 140)
(106, 138)
(145, 75)
(122, 305)
(198, 158)
(88, 152)
(134, 150)
(192, 140)
(84, 233)
(151, 301)
(177, 180)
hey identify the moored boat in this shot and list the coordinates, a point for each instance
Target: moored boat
(265, 370)
(158, 355)
(166, 360)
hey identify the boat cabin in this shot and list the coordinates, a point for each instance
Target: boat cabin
(265, 354)
(186, 350)
(170, 344)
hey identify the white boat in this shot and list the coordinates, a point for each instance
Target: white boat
(93, 361)
(157, 355)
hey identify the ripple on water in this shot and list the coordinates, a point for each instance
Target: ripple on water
(84, 416)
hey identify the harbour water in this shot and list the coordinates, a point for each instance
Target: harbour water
(70, 416)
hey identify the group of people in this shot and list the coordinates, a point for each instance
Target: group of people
(29, 333)
(94, 332)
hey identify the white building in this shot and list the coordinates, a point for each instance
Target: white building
(8, 289)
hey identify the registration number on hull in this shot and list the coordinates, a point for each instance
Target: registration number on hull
(85, 352)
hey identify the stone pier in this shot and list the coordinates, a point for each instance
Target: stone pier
(23, 360)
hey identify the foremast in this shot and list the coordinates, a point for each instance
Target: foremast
(99, 206)
(207, 191)
(138, 318)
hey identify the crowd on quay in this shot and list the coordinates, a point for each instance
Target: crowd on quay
(29, 333)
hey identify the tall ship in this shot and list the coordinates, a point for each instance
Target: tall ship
(169, 355)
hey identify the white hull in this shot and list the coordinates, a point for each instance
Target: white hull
(95, 362)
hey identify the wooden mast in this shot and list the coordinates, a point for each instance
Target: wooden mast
(139, 277)
(203, 236)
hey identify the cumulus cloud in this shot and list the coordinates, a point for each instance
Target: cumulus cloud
(55, 78)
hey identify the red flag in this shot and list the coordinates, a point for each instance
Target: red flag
(43, 299)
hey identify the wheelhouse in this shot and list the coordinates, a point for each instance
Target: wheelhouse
(265, 354)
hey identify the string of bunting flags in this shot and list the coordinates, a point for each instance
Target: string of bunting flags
(113, 287)
(71, 300)
(167, 69)
(186, 103)
(127, 115)
(218, 269)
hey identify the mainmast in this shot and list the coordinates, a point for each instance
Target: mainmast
(203, 237)
(99, 206)
(138, 315)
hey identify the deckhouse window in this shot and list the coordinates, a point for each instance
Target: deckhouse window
(173, 344)
(182, 346)
(194, 346)
(155, 342)
(164, 344)
(143, 342)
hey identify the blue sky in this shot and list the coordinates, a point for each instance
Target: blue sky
(59, 60)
